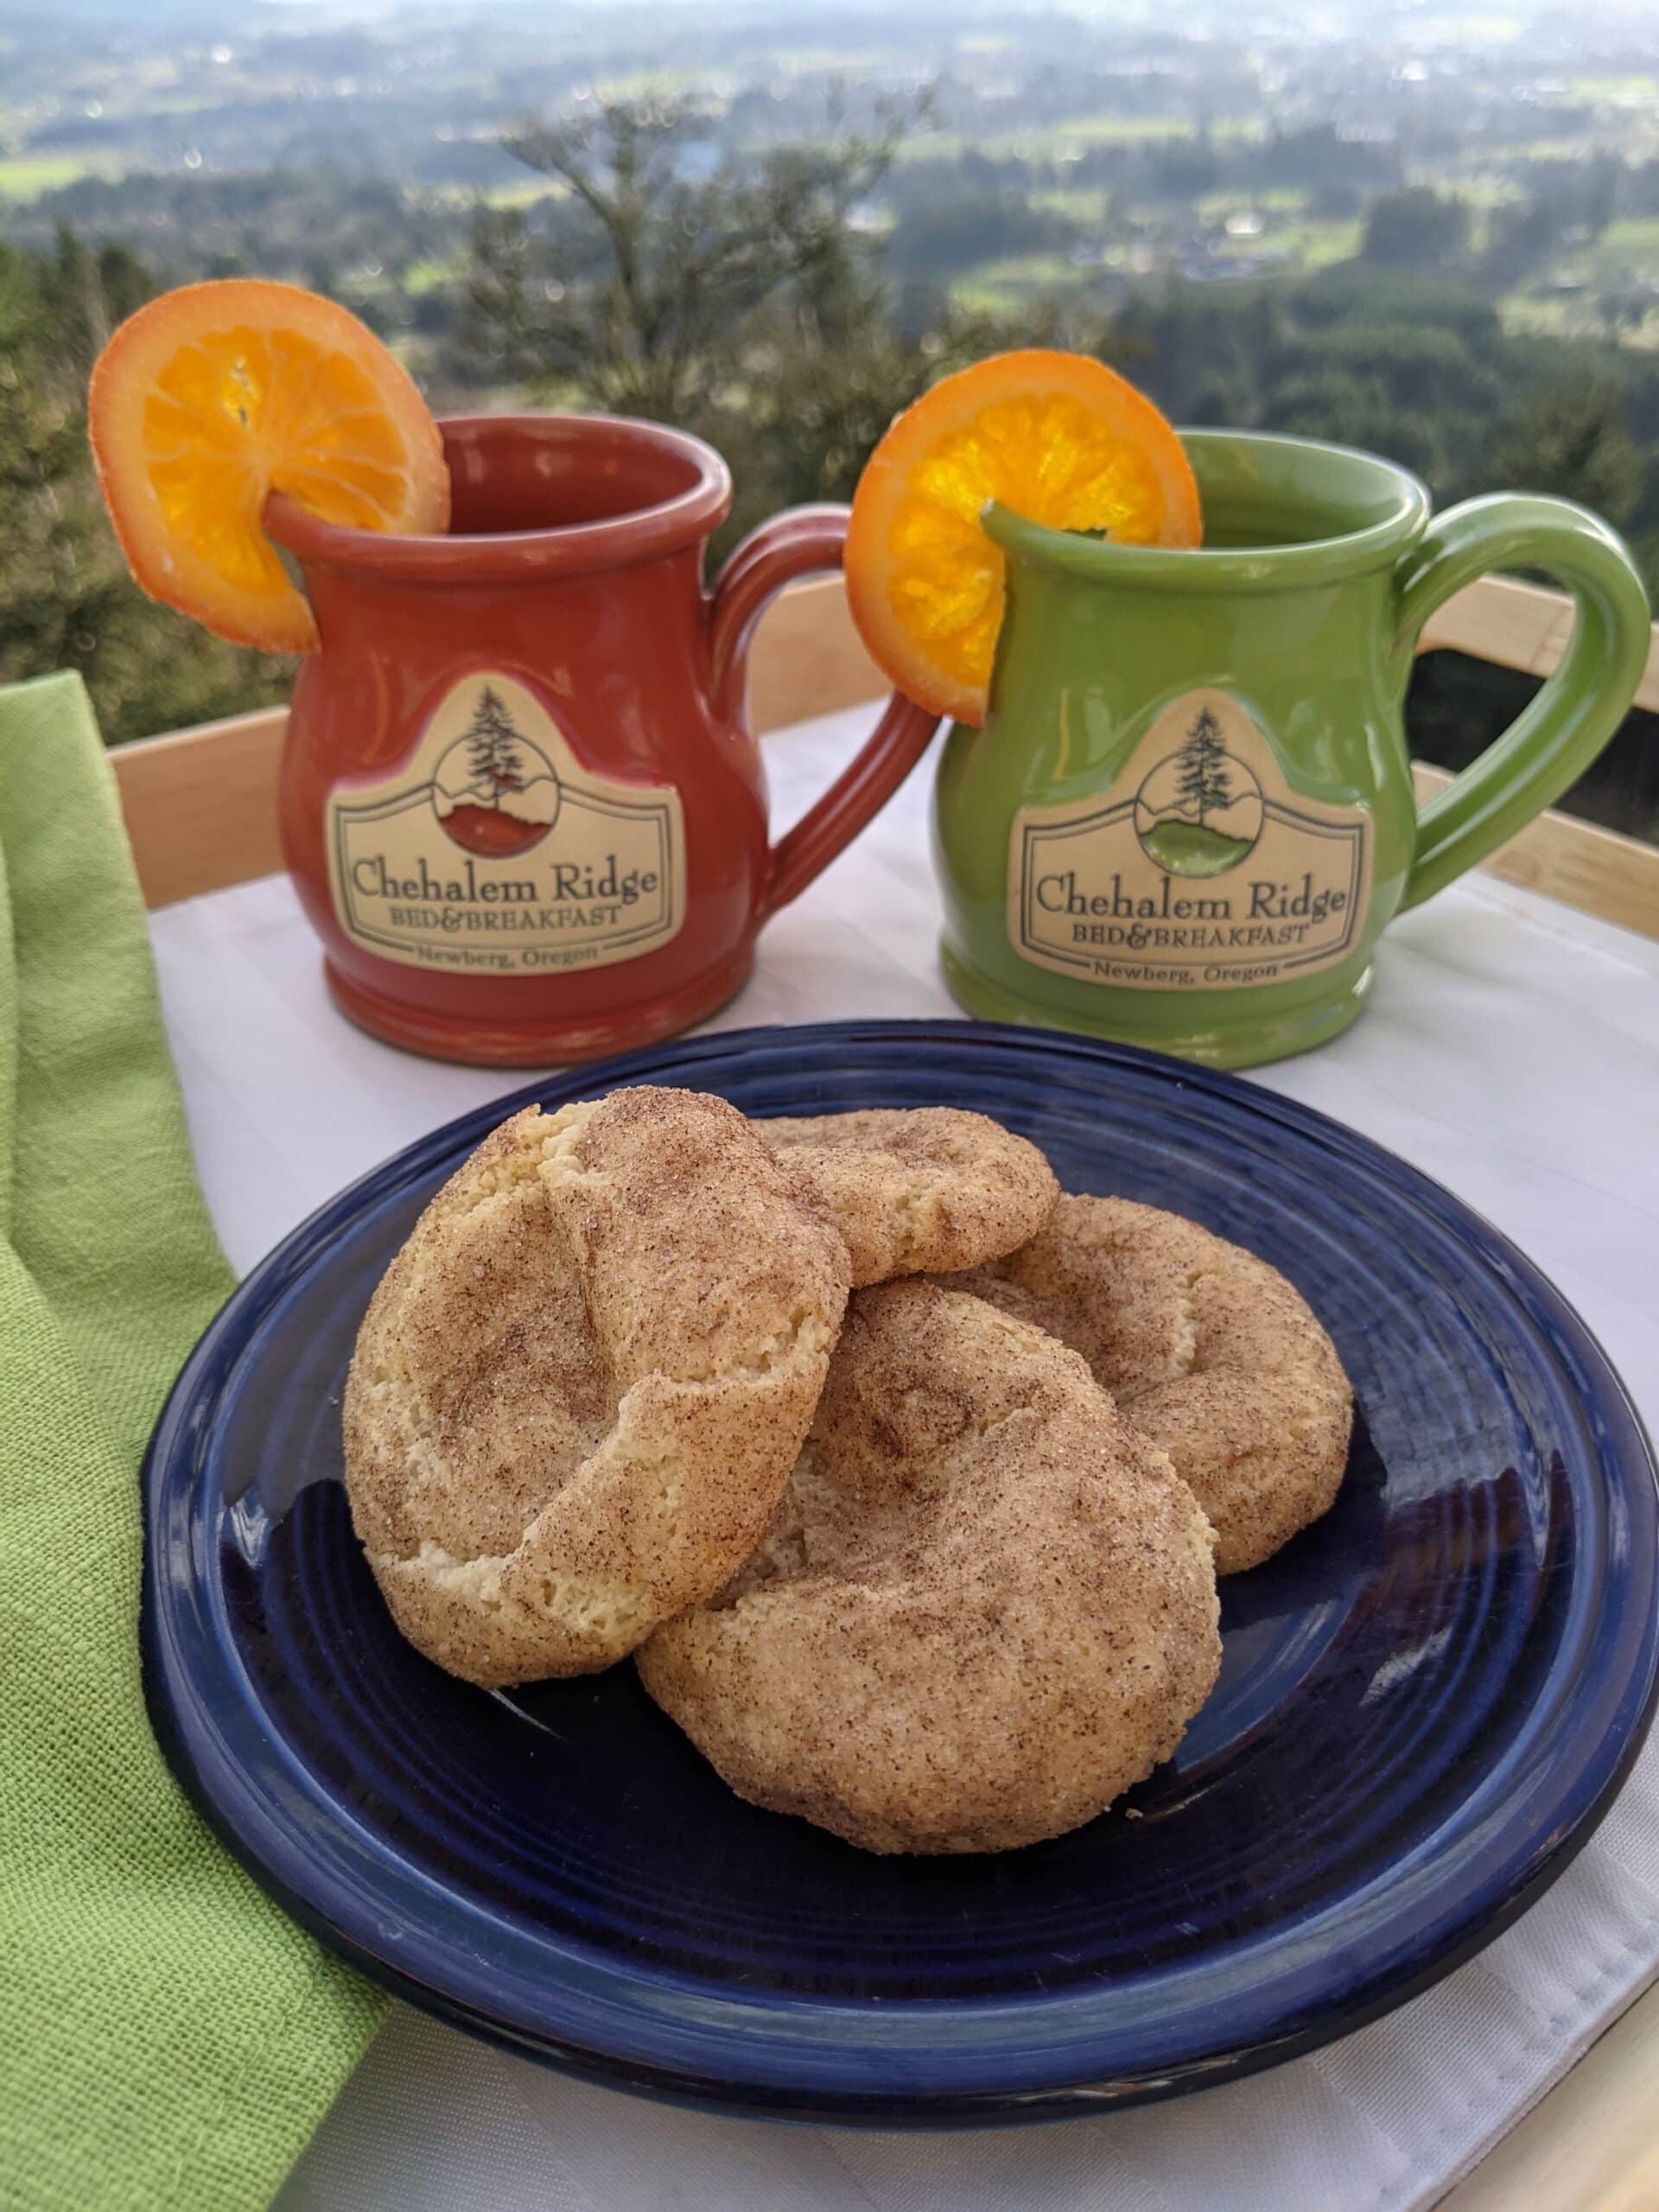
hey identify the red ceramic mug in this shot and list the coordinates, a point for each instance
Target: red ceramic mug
(519, 797)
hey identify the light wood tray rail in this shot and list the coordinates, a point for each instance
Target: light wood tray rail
(200, 807)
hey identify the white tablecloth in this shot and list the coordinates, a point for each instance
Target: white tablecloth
(1512, 1050)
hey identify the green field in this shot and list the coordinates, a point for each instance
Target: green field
(1635, 92)
(1079, 203)
(1479, 191)
(1572, 314)
(1277, 200)
(1003, 287)
(423, 277)
(25, 177)
(1628, 248)
(647, 84)
(1062, 140)
(825, 61)
(1190, 848)
(1313, 244)
(1555, 317)
(523, 194)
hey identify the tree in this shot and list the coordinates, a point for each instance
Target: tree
(747, 306)
(1181, 168)
(646, 276)
(1570, 436)
(1521, 234)
(1360, 293)
(1417, 228)
(67, 601)
(1624, 307)
(492, 745)
(828, 363)
(1321, 157)
(961, 231)
(1203, 783)
(1427, 374)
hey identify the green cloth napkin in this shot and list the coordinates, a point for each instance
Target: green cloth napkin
(167, 2038)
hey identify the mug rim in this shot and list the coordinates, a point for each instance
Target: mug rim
(1202, 568)
(665, 525)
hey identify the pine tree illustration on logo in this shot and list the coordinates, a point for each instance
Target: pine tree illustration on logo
(1200, 811)
(494, 792)
(1203, 782)
(493, 744)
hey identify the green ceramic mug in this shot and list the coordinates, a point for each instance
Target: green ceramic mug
(1189, 814)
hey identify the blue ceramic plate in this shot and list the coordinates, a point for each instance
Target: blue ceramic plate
(1427, 1702)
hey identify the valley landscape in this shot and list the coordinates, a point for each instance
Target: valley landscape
(1430, 230)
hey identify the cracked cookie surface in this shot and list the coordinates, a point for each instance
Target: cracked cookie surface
(917, 1190)
(1209, 1352)
(579, 1389)
(986, 1608)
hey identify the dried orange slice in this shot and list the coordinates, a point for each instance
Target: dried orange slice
(1056, 437)
(215, 395)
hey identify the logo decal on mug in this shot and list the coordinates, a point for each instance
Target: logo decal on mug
(492, 850)
(1200, 868)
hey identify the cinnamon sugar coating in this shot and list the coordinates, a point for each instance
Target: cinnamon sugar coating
(916, 1191)
(1209, 1352)
(579, 1389)
(986, 1608)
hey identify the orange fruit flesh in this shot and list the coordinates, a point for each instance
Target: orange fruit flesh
(212, 397)
(1056, 437)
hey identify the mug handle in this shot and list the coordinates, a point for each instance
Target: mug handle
(1562, 731)
(805, 542)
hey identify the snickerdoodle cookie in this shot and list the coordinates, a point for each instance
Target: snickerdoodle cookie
(579, 1389)
(1210, 1353)
(987, 1606)
(917, 1190)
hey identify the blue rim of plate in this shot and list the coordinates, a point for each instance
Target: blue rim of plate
(928, 2062)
